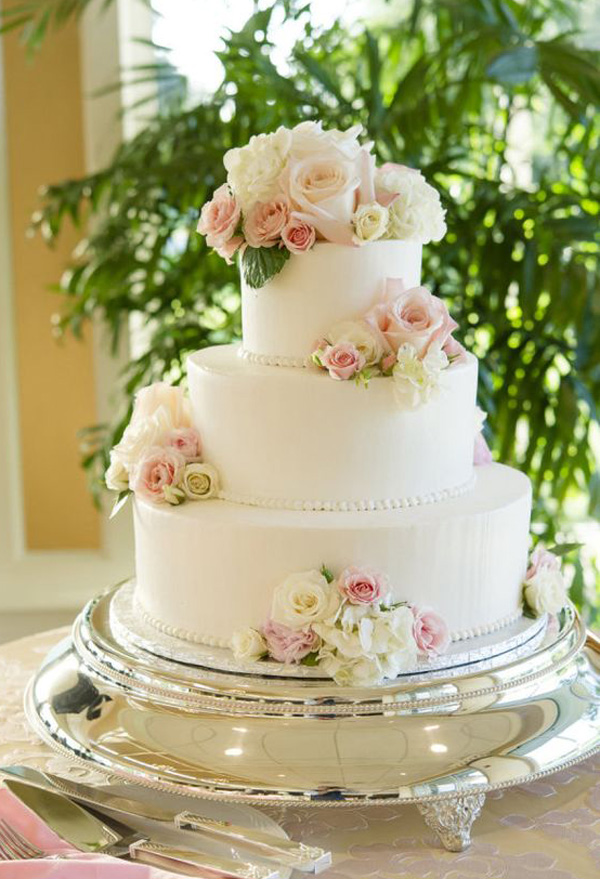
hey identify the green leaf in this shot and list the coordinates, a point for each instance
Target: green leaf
(562, 549)
(120, 502)
(311, 660)
(260, 264)
(327, 574)
(515, 66)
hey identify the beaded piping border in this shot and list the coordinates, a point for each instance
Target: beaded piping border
(212, 641)
(274, 359)
(358, 506)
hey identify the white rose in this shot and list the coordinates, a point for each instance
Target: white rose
(309, 138)
(116, 477)
(303, 599)
(417, 380)
(138, 438)
(200, 481)
(546, 591)
(359, 334)
(253, 171)
(166, 403)
(248, 645)
(416, 214)
(370, 222)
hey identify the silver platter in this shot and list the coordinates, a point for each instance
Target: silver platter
(441, 741)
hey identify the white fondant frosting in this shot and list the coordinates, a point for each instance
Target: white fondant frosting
(294, 438)
(208, 568)
(318, 289)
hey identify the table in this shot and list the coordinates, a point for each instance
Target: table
(549, 829)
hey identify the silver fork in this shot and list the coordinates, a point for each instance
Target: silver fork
(14, 846)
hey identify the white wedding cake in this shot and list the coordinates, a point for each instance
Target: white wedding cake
(324, 495)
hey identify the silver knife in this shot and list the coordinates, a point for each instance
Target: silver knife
(286, 852)
(89, 834)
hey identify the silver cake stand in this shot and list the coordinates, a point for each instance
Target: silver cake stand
(145, 708)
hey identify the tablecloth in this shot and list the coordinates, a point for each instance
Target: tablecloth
(548, 829)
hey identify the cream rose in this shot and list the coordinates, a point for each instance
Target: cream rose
(265, 222)
(253, 171)
(139, 436)
(167, 403)
(248, 645)
(370, 222)
(200, 481)
(309, 138)
(546, 591)
(117, 476)
(415, 209)
(322, 190)
(359, 334)
(303, 599)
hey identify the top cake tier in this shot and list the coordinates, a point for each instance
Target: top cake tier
(283, 320)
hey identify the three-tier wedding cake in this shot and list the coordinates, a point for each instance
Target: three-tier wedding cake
(324, 496)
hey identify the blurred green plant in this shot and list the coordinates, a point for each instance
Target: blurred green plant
(496, 100)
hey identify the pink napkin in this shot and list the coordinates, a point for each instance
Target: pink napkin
(79, 866)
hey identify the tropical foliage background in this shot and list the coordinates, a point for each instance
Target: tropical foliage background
(495, 100)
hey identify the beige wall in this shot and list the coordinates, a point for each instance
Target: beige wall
(56, 395)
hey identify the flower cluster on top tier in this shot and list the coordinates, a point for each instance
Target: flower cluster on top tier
(407, 336)
(159, 456)
(289, 188)
(348, 626)
(544, 589)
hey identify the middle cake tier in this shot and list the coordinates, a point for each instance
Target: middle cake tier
(293, 438)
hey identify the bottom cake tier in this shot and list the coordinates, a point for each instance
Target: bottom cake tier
(204, 570)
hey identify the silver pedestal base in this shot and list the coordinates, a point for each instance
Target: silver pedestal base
(440, 742)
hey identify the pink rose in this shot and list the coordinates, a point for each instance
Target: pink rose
(342, 361)
(361, 585)
(219, 218)
(542, 558)
(298, 236)
(454, 351)
(159, 469)
(265, 221)
(227, 250)
(481, 452)
(187, 441)
(430, 631)
(289, 645)
(418, 317)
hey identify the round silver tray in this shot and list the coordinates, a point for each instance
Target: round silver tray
(440, 741)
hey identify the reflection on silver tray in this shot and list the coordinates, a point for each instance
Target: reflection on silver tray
(440, 741)
(132, 630)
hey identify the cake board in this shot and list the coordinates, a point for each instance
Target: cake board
(440, 742)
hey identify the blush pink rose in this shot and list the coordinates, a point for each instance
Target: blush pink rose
(187, 441)
(362, 585)
(228, 250)
(419, 318)
(453, 350)
(481, 451)
(289, 645)
(219, 218)
(430, 631)
(542, 558)
(265, 222)
(160, 468)
(298, 236)
(342, 361)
